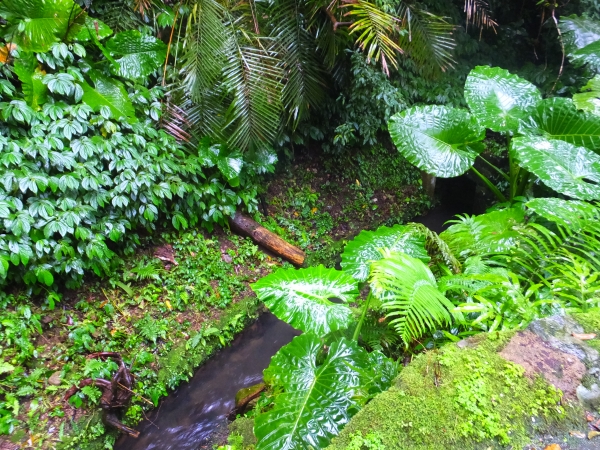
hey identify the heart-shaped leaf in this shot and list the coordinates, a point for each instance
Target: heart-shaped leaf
(558, 118)
(589, 98)
(499, 99)
(92, 29)
(34, 25)
(317, 399)
(573, 214)
(137, 54)
(365, 248)
(440, 140)
(578, 34)
(302, 298)
(569, 170)
(108, 92)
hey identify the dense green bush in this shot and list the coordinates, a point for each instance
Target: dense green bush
(77, 179)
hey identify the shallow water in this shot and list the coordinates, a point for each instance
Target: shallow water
(188, 416)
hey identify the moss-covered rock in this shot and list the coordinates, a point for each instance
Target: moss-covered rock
(466, 398)
(242, 427)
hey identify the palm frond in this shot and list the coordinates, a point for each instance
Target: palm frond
(479, 14)
(304, 75)
(252, 76)
(428, 38)
(377, 32)
(409, 292)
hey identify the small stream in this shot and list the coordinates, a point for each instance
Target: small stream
(197, 411)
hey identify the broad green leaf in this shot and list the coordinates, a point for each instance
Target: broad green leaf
(499, 99)
(573, 214)
(408, 290)
(579, 33)
(91, 30)
(231, 167)
(492, 232)
(569, 170)
(366, 247)
(302, 298)
(558, 118)
(589, 98)
(34, 25)
(318, 399)
(110, 93)
(6, 367)
(440, 140)
(137, 54)
(590, 55)
(30, 75)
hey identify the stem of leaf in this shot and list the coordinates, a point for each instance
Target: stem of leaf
(500, 171)
(362, 317)
(490, 185)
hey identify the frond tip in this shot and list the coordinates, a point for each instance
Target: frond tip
(408, 290)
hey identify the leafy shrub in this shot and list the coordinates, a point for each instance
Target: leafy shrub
(83, 168)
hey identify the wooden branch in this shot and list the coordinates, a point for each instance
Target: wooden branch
(335, 22)
(266, 238)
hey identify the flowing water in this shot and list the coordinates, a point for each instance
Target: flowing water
(197, 410)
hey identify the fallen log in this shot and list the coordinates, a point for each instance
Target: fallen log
(262, 236)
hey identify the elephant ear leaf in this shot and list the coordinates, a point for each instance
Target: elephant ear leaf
(499, 99)
(589, 98)
(137, 54)
(317, 399)
(569, 170)
(34, 25)
(573, 214)
(439, 140)
(366, 248)
(110, 93)
(558, 118)
(29, 74)
(580, 37)
(303, 297)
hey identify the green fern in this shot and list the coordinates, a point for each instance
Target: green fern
(152, 329)
(147, 271)
(437, 248)
(409, 293)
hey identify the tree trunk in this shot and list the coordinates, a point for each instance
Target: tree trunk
(262, 236)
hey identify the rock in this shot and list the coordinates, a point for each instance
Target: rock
(594, 371)
(589, 397)
(244, 396)
(557, 332)
(55, 379)
(166, 253)
(536, 357)
(227, 258)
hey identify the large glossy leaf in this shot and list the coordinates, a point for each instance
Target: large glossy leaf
(573, 214)
(569, 170)
(492, 232)
(34, 25)
(440, 140)
(408, 290)
(137, 54)
(90, 30)
(590, 55)
(318, 399)
(302, 298)
(558, 118)
(589, 98)
(365, 248)
(110, 93)
(30, 75)
(499, 99)
(578, 34)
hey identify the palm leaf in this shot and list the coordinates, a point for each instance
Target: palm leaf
(408, 291)
(479, 14)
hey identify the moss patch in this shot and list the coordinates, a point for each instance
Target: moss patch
(242, 433)
(459, 398)
(590, 321)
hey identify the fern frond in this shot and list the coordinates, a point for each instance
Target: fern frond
(409, 292)
(437, 248)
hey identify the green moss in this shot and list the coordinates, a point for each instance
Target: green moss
(590, 321)
(243, 427)
(459, 398)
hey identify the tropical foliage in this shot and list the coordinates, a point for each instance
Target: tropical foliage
(556, 143)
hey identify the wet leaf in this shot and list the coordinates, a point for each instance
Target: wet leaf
(584, 336)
